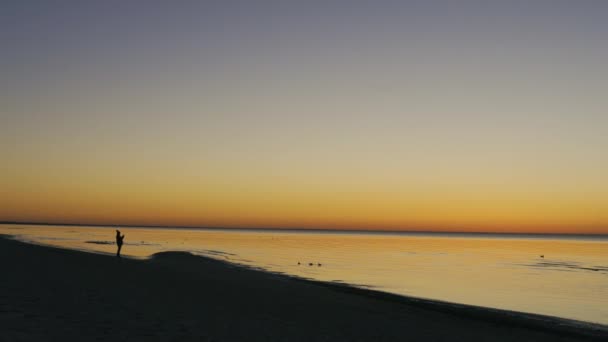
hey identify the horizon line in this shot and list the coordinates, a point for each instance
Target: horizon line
(353, 230)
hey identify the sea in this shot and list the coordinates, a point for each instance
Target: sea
(557, 275)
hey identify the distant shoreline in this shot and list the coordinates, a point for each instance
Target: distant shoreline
(161, 293)
(331, 231)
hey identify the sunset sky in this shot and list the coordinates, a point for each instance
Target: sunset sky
(393, 115)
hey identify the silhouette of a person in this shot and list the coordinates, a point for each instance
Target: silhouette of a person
(119, 239)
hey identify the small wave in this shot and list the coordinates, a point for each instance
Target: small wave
(52, 238)
(566, 266)
(211, 251)
(142, 243)
(214, 253)
(101, 242)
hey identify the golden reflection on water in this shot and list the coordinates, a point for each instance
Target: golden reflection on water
(571, 280)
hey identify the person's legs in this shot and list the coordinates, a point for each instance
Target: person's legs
(118, 252)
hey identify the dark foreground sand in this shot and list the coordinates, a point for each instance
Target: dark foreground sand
(49, 294)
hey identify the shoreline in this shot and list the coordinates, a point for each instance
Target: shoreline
(495, 315)
(500, 316)
(279, 292)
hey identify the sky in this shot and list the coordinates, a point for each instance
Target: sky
(389, 115)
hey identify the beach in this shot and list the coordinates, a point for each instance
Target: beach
(52, 294)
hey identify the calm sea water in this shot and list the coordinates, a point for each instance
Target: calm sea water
(506, 272)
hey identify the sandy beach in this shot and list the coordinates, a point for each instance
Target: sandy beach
(51, 294)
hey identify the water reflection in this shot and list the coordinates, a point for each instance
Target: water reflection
(570, 281)
(568, 266)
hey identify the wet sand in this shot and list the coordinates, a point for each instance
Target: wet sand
(51, 294)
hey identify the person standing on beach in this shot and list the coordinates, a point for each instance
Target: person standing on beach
(119, 239)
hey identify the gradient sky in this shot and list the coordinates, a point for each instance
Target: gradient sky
(425, 115)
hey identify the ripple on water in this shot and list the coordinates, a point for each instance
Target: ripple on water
(566, 266)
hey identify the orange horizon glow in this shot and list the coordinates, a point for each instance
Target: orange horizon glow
(339, 194)
(343, 195)
(307, 209)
